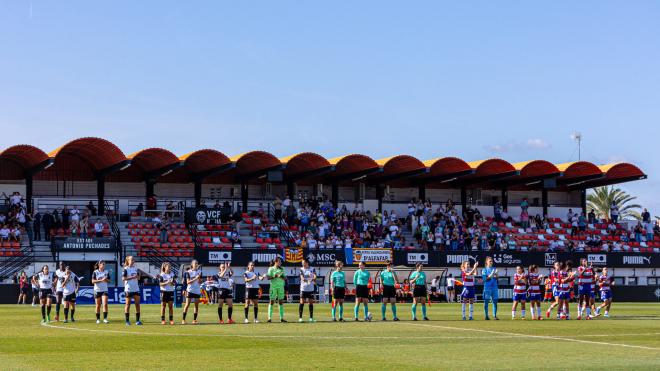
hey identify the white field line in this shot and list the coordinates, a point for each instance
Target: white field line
(267, 336)
(498, 335)
(557, 338)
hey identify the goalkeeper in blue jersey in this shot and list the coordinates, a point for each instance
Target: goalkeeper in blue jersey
(489, 276)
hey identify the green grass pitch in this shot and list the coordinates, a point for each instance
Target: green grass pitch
(630, 339)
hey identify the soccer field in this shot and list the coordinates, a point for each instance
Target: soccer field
(630, 339)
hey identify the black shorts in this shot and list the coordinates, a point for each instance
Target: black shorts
(433, 290)
(362, 291)
(166, 296)
(35, 292)
(24, 290)
(389, 291)
(132, 294)
(339, 293)
(450, 288)
(59, 295)
(419, 291)
(45, 293)
(100, 294)
(71, 298)
(225, 294)
(192, 296)
(252, 294)
(307, 295)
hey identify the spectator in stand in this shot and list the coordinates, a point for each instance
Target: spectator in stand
(90, 208)
(569, 216)
(524, 204)
(163, 225)
(15, 233)
(84, 225)
(57, 216)
(48, 221)
(5, 233)
(497, 211)
(524, 219)
(646, 216)
(592, 217)
(638, 232)
(138, 210)
(69, 217)
(582, 224)
(614, 212)
(98, 228)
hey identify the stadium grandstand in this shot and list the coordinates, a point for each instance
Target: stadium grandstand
(87, 201)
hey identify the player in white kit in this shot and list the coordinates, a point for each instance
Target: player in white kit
(70, 286)
(251, 279)
(307, 288)
(131, 277)
(193, 280)
(100, 279)
(46, 286)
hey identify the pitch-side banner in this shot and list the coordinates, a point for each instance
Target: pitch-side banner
(372, 256)
(515, 258)
(261, 257)
(322, 257)
(202, 215)
(84, 244)
(116, 295)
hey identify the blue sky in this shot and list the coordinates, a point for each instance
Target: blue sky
(479, 79)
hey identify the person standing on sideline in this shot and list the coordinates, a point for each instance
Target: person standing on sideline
(23, 288)
(491, 293)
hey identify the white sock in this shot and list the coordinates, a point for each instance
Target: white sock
(463, 308)
(513, 314)
(588, 311)
(538, 311)
(471, 309)
(522, 313)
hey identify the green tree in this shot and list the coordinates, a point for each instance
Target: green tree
(600, 199)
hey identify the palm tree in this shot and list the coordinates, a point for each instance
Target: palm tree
(600, 199)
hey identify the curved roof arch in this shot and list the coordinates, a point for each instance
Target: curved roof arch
(24, 155)
(579, 169)
(152, 159)
(442, 166)
(536, 168)
(351, 164)
(98, 153)
(304, 162)
(254, 161)
(400, 164)
(492, 166)
(621, 170)
(204, 160)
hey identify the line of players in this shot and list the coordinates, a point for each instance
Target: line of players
(63, 286)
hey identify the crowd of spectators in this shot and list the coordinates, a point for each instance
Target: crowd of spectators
(67, 221)
(13, 217)
(318, 225)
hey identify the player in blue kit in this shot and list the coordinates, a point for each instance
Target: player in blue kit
(491, 292)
